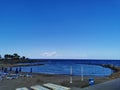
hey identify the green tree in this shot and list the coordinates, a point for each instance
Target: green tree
(0, 57)
(16, 56)
(7, 56)
(23, 58)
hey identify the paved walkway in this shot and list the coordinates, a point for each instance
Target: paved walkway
(109, 85)
(74, 88)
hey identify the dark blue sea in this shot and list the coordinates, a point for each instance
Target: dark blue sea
(63, 66)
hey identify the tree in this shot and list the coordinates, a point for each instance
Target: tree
(0, 57)
(16, 56)
(7, 56)
(23, 58)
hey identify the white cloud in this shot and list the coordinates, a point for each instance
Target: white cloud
(49, 54)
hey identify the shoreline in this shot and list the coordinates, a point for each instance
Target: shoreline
(40, 79)
(115, 69)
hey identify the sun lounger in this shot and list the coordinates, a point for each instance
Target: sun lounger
(10, 77)
(38, 87)
(0, 78)
(22, 75)
(29, 75)
(23, 88)
(56, 87)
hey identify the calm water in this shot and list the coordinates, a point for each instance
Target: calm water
(63, 67)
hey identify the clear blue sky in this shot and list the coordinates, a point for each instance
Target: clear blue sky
(60, 28)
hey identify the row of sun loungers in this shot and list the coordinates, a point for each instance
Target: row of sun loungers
(48, 86)
(38, 87)
(23, 88)
(56, 87)
(14, 76)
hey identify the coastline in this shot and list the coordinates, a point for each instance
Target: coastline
(40, 79)
(116, 70)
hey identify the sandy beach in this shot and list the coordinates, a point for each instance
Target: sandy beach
(40, 79)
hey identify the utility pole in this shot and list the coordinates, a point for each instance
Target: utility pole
(71, 74)
(82, 77)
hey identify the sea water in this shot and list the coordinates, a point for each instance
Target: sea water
(63, 67)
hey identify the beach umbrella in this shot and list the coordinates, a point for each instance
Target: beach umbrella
(30, 70)
(5, 70)
(20, 69)
(10, 68)
(16, 71)
(2, 68)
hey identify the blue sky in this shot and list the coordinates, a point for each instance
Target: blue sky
(60, 28)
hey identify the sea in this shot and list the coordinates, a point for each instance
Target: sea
(76, 67)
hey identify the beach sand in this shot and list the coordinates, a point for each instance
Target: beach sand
(40, 79)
